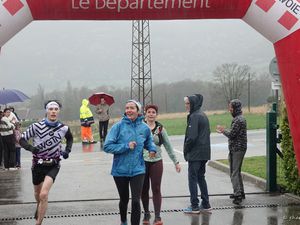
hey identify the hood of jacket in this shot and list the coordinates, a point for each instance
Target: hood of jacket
(85, 102)
(236, 105)
(85, 111)
(196, 101)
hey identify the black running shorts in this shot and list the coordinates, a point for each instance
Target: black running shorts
(39, 172)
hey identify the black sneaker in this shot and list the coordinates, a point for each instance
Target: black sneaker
(232, 196)
(206, 208)
(237, 200)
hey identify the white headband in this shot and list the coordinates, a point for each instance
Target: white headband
(138, 105)
(52, 105)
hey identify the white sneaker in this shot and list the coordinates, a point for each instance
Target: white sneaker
(13, 168)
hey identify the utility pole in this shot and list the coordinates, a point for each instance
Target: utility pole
(248, 92)
(141, 77)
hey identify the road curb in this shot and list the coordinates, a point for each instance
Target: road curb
(259, 182)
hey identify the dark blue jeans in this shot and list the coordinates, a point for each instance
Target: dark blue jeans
(18, 156)
(196, 174)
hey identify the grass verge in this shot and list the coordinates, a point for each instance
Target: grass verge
(176, 126)
(256, 166)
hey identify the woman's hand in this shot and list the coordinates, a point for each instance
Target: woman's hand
(132, 145)
(178, 167)
(152, 154)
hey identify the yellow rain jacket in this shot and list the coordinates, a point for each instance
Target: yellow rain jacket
(86, 116)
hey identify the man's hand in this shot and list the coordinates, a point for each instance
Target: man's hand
(33, 149)
(220, 129)
(65, 154)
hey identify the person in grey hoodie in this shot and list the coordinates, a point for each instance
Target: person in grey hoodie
(237, 144)
(197, 152)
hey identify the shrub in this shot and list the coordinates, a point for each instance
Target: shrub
(289, 161)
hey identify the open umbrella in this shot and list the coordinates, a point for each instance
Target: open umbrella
(95, 98)
(12, 95)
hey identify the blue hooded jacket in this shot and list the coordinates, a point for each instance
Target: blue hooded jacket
(129, 162)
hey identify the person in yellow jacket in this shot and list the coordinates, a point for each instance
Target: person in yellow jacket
(86, 120)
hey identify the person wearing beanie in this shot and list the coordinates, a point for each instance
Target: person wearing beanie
(237, 144)
(127, 140)
(46, 149)
(154, 166)
(197, 152)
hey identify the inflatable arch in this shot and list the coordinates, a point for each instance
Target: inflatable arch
(277, 20)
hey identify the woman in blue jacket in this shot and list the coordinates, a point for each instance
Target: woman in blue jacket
(126, 140)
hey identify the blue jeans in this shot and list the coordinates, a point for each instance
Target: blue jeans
(196, 174)
(18, 156)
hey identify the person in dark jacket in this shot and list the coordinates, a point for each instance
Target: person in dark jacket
(237, 144)
(197, 152)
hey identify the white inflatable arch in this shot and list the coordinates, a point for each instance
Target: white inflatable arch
(277, 20)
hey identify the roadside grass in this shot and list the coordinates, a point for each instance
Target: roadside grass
(176, 126)
(256, 166)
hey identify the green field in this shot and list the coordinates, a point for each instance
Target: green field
(177, 126)
(256, 166)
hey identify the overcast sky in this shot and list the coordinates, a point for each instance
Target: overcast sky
(95, 53)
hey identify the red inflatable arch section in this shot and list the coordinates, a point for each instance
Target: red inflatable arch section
(277, 20)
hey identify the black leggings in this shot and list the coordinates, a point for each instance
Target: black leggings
(136, 185)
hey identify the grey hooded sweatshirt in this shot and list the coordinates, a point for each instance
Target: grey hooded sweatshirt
(197, 135)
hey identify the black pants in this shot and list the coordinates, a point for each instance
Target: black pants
(1, 150)
(103, 125)
(136, 185)
(9, 151)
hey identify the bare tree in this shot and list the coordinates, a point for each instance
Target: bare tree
(233, 79)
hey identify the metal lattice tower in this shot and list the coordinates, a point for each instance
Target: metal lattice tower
(141, 77)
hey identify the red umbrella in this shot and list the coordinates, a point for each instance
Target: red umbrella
(95, 98)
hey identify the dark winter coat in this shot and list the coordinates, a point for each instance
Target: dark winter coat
(237, 134)
(197, 135)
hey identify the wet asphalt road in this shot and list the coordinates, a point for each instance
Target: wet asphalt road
(84, 193)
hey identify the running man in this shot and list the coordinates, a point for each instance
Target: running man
(46, 150)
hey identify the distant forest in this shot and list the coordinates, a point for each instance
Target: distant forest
(168, 96)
